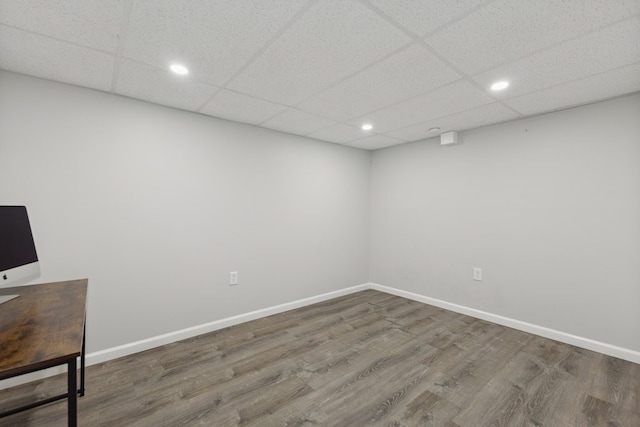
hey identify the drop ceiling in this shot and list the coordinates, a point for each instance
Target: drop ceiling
(323, 68)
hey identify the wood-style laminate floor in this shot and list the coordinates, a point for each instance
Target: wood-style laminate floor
(367, 358)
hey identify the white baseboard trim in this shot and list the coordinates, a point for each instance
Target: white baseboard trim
(149, 343)
(157, 341)
(589, 344)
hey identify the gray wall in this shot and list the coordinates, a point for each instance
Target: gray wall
(548, 207)
(156, 206)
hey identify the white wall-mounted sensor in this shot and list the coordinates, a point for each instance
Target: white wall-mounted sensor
(449, 138)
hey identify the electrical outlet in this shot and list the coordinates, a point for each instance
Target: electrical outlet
(233, 278)
(477, 274)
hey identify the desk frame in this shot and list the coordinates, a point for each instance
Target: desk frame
(72, 391)
(71, 360)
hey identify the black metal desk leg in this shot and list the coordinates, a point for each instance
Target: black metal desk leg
(84, 337)
(72, 393)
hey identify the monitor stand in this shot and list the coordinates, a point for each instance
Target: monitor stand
(5, 298)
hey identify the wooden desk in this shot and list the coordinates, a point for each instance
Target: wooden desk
(42, 328)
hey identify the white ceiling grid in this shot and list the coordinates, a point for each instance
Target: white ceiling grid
(321, 68)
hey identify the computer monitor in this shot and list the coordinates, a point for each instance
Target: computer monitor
(18, 257)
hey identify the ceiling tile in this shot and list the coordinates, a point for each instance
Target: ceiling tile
(214, 38)
(236, 106)
(328, 43)
(453, 98)
(27, 53)
(404, 75)
(297, 122)
(482, 116)
(606, 85)
(88, 23)
(609, 48)
(506, 30)
(339, 133)
(142, 81)
(375, 142)
(421, 17)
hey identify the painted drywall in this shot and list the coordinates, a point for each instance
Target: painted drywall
(548, 207)
(157, 206)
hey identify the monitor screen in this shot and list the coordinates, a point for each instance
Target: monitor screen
(18, 256)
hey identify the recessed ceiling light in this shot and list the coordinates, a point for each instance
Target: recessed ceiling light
(179, 69)
(434, 129)
(367, 126)
(500, 85)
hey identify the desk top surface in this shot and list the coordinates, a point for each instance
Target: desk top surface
(42, 327)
